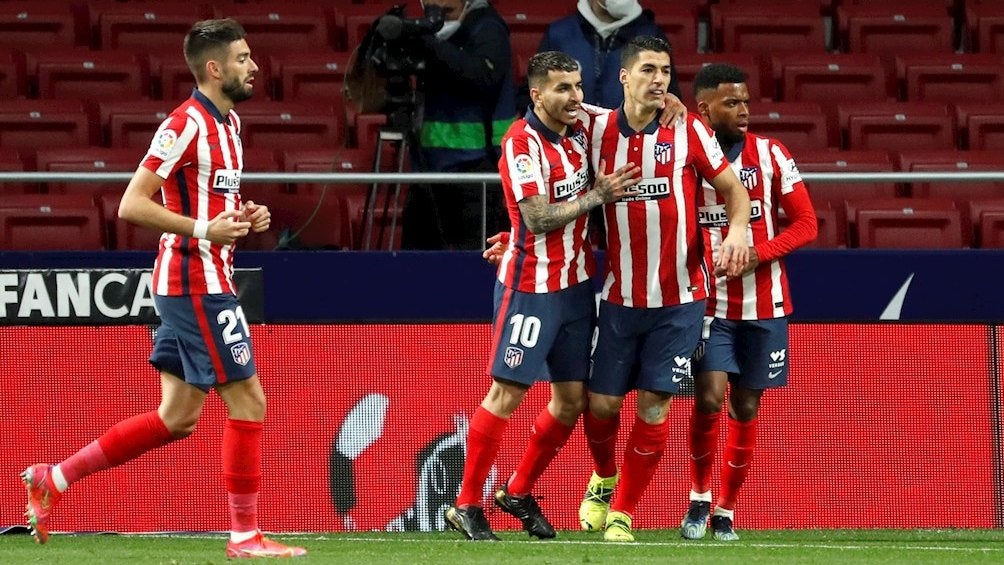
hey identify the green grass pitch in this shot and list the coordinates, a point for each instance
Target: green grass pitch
(914, 547)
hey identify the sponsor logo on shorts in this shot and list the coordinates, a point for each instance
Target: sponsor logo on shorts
(774, 374)
(776, 362)
(241, 353)
(513, 357)
(682, 368)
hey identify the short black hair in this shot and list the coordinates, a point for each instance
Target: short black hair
(643, 43)
(207, 39)
(710, 76)
(546, 61)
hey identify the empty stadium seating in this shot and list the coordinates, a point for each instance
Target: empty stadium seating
(894, 27)
(142, 26)
(316, 75)
(88, 160)
(991, 230)
(92, 76)
(897, 126)
(905, 223)
(952, 78)
(830, 79)
(50, 222)
(834, 160)
(688, 64)
(39, 24)
(278, 125)
(985, 25)
(286, 27)
(30, 124)
(800, 125)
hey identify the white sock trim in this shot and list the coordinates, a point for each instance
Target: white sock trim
(700, 496)
(59, 480)
(237, 537)
(730, 514)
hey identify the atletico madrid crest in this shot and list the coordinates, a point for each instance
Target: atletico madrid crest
(663, 152)
(748, 177)
(513, 357)
(241, 353)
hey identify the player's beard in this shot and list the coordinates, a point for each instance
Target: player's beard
(237, 91)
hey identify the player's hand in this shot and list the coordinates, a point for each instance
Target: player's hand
(496, 247)
(227, 227)
(673, 111)
(733, 256)
(258, 215)
(617, 184)
(754, 260)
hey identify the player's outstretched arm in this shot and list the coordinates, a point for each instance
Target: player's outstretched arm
(542, 216)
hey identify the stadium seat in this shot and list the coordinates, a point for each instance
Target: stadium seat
(143, 26)
(985, 130)
(87, 160)
(132, 124)
(367, 128)
(830, 223)
(799, 125)
(37, 25)
(952, 78)
(281, 27)
(10, 162)
(334, 160)
(894, 27)
(261, 160)
(384, 209)
(832, 160)
(524, 45)
(926, 216)
(767, 28)
(123, 235)
(688, 64)
(50, 222)
(829, 79)
(30, 124)
(985, 24)
(352, 21)
(13, 77)
(991, 230)
(533, 16)
(678, 20)
(897, 126)
(92, 76)
(952, 161)
(280, 125)
(310, 221)
(310, 76)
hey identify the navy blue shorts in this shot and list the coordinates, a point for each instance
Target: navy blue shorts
(644, 348)
(203, 339)
(753, 352)
(542, 336)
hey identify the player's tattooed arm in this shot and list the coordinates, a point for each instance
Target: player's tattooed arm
(542, 216)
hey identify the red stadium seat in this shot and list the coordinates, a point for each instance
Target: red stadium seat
(88, 160)
(893, 27)
(985, 130)
(831, 227)
(280, 125)
(533, 16)
(367, 128)
(830, 79)
(799, 125)
(335, 160)
(143, 26)
(688, 64)
(30, 124)
(125, 235)
(524, 45)
(42, 24)
(132, 124)
(13, 76)
(952, 161)
(767, 28)
(313, 221)
(10, 162)
(884, 215)
(833, 160)
(50, 222)
(897, 126)
(92, 76)
(951, 78)
(352, 21)
(991, 230)
(678, 20)
(310, 76)
(985, 24)
(284, 27)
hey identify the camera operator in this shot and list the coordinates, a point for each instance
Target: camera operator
(469, 103)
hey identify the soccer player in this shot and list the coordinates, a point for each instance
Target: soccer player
(544, 302)
(195, 161)
(744, 347)
(653, 297)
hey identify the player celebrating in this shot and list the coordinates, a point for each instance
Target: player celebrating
(195, 161)
(653, 298)
(544, 305)
(745, 341)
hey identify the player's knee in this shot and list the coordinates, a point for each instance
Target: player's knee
(181, 427)
(568, 409)
(708, 403)
(605, 407)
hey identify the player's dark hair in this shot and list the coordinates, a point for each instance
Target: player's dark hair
(643, 43)
(546, 61)
(208, 39)
(710, 76)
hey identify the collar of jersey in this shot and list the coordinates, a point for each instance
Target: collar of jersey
(208, 105)
(627, 131)
(548, 133)
(734, 151)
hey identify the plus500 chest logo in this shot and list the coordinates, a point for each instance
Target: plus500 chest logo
(715, 216)
(572, 185)
(649, 189)
(227, 180)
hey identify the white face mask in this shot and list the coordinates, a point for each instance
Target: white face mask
(619, 8)
(449, 28)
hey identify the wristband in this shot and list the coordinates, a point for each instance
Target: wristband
(201, 227)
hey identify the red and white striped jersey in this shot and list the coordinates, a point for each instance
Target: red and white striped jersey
(537, 161)
(654, 254)
(198, 153)
(770, 175)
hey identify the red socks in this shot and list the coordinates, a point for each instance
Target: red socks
(484, 437)
(703, 443)
(644, 449)
(737, 458)
(601, 437)
(242, 472)
(123, 442)
(547, 437)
